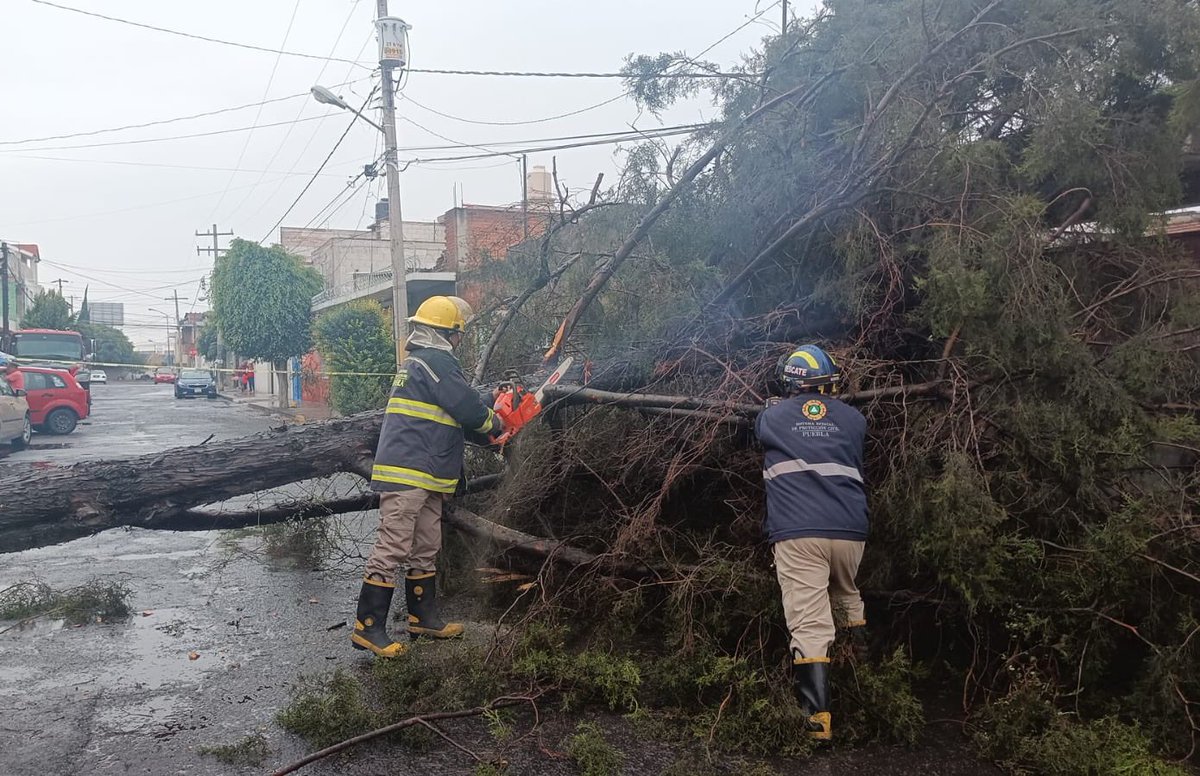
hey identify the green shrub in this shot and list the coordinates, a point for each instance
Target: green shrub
(326, 710)
(92, 601)
(356, 338)
(591, 754)
(251, 750)
(587, 676)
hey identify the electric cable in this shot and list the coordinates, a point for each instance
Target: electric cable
(250, 135)
(311, 180)
(303, 106)
(143, 141)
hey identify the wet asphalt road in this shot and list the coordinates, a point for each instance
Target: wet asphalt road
(125, 697)
(134, 418)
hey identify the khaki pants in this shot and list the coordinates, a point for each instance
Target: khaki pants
(410, 530)
(816, 578)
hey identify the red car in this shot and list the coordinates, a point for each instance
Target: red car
(164, 374)
(56, 401)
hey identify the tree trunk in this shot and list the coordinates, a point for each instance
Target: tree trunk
(46, 506)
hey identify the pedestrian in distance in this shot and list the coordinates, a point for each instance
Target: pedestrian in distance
(418, 464)
(816, 518)
(250, 376)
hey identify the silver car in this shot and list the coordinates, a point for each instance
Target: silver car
(15, 428)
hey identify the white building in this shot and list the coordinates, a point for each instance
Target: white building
(22, 281)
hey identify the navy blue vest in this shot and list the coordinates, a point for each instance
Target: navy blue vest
(813, 468)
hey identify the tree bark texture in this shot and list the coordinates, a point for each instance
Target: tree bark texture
(41, 506)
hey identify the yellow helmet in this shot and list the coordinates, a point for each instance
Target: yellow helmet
(442, 312)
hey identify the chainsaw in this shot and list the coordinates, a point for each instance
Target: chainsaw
(516, 406)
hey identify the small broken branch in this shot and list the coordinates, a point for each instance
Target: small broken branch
(420, 719)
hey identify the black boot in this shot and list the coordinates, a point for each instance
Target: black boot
(370, 623)
(810, 681)
(420, 589)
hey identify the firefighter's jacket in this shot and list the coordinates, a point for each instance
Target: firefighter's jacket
(431, 406)
(813, 468)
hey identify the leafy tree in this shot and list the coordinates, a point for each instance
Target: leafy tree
(84, 315)
(48, 311)
(959, 197)
(207, 343)
(109, 345)
(357, 337)
(263, 301)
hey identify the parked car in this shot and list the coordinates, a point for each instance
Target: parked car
(196, 382)
(99, 376)
(16, 428)
(56, 400)
(164, 374)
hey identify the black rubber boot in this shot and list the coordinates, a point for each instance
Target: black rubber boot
(810, 681)
(420, 589)
(370, 622)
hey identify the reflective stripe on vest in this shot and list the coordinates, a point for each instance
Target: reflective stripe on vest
(417, 479)
(821, 469)
(420, 409)
(488, 425)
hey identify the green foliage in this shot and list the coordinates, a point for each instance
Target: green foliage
(591, 754)
(49, 310)
(206, 344)
(263, 298)
(357, 338)
(436, 677)
(585, 676)
(876, 701)
(109, 345)
(93, 601)
(325, 710)
(249, 751)
(1025, 732)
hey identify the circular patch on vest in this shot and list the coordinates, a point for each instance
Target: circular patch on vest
(814, 409)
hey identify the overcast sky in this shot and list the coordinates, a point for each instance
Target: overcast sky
(121, 219)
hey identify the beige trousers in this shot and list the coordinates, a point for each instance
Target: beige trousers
(816, 578)
(410, 530)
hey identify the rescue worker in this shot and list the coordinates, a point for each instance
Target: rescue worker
(816, 518)
(417, 464)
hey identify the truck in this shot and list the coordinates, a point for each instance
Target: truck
(54, 348)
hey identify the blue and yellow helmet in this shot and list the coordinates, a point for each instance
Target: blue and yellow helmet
(808, 368)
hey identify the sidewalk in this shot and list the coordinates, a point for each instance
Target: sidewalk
(300, 412)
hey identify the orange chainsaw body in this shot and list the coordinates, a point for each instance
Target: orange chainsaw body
(516, 406)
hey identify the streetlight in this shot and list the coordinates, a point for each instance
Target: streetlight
(393, 54)
(170, 360)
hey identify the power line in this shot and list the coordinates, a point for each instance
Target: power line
(250, 135)
(303, 107)
(130, 163)
(193, 36)
(313, 179)
(163, 139)
(647, 135)
(543, 120)
(426, 71)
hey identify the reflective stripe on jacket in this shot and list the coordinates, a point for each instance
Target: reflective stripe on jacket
(812, 465)
(421, 442)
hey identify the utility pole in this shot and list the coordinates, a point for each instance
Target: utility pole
(178, 329)
(59, 282)
(391, 56)
(216, 250)
(4, 282)
(783, 27)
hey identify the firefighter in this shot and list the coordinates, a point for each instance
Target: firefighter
(418, 463)
(816, 518)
